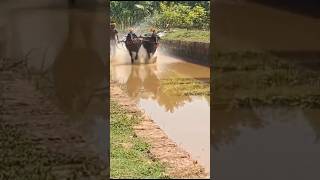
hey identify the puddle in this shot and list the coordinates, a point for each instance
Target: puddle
(187, 125)
(67, 56)
(266, 143)
(184, 118)
(265, 140)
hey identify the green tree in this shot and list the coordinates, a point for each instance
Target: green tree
(199, 17)
(178, 14)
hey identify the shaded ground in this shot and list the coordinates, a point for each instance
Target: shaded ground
(37, 142)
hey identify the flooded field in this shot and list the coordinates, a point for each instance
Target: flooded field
(266, 108)
(266, 118)
(267, 143)
(174, 94)
(65, 52)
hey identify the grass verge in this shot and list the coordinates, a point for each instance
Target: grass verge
(177, 85)
(129, 156)
(188, 35)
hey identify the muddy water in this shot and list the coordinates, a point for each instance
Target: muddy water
(266, 143)
(185, 119)
(66, 58)
(252, 26)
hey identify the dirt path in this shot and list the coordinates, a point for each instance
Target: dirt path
(179, 163)
(43, 138)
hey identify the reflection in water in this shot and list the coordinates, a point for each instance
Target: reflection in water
(143, 77)
(312, 117)
(227, 122)
(67, 60)
(171, 102)
(78, 73)
(184, 118)
(248, 140)
(188, 126)
(144, 83)
(78, 69)
(281, 140)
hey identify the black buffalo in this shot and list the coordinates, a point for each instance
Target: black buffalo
(133, 46)
(151, 44)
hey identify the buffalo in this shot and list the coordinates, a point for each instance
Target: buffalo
(133, 46)
(150, 43)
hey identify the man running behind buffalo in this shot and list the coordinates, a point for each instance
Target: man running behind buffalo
(113, 38)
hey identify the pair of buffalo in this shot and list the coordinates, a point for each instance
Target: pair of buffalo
(150, 43)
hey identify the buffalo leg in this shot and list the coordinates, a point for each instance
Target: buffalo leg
(148, 55)
(131, 56)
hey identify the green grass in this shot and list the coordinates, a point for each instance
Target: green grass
(188, 35)
(176, 85)
(129, 154)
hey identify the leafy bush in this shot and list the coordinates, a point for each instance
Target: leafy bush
(178, 14)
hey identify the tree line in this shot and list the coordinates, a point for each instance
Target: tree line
(161, 14)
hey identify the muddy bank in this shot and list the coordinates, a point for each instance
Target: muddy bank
(179, 162)
(195, 52)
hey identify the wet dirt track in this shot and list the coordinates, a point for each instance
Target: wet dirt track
(184, 118)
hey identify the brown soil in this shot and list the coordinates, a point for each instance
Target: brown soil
(45, 128)
(178, 162)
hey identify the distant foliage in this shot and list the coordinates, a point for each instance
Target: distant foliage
(179, 15)
(176, 14)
